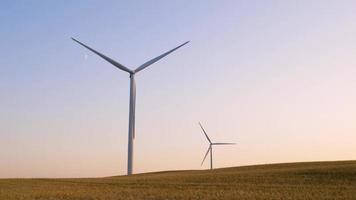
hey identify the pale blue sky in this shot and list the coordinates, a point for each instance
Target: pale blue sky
(277, 77)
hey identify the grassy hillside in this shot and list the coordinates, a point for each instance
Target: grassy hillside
(315, 180)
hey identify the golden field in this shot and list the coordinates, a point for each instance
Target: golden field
(312, 180)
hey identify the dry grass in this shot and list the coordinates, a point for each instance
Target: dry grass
(315, 180)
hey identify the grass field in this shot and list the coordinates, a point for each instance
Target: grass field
(313, 180)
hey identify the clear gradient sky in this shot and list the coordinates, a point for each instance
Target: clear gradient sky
(277, 77)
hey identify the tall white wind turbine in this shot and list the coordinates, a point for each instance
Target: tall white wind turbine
(132, 94)
(210, 148)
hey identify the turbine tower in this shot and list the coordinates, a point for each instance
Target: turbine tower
(210, 148)
(131, 135)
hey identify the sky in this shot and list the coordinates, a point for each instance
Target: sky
(276, 77)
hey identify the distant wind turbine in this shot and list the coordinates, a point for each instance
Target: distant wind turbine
(132, 94)
(210, 148)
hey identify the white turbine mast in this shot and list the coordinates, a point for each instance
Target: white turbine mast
(210, 148)
(132, 73)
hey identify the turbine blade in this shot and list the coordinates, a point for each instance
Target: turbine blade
(219, 143)
(150, 62)
(133, 101)
(206, 154)
(206, 135)
(113, 62)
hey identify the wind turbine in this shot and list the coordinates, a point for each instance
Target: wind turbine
(132, 94)
(210, 148)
